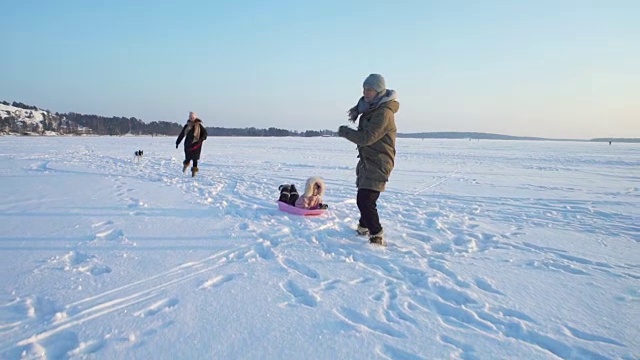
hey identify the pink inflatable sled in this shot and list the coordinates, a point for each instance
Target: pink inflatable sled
(299, 211)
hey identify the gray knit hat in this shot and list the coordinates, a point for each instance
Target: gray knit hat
(375, 82)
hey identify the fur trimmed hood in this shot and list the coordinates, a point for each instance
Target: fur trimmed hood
(311, 182)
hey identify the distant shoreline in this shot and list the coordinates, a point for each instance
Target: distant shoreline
(423, 136)
(28, 120)
(490, 136)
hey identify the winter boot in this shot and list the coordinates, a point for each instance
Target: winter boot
(361, 230)
(378, 239)
(284, 193)
(185, 165)
(194, 170)
(293, 196)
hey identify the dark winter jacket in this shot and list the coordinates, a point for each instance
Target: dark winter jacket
(376, 140)
(193, 143)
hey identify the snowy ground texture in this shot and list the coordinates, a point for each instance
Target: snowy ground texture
(497, 250)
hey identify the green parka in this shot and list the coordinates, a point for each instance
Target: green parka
(376, 143)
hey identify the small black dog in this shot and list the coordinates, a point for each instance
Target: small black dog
(138, 155)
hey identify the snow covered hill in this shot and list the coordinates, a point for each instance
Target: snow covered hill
(16, 120)
(28, 116)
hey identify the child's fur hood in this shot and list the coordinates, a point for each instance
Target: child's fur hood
(308, 188)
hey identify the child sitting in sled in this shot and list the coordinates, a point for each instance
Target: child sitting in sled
(310, 199)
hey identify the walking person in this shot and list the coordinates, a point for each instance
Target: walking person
(376, 143)
(193, 133)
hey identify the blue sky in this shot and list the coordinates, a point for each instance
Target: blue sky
(563, 69)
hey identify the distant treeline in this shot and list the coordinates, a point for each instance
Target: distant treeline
(218, 131)
(20, 105)
(101, 125)
(489, 136)
(465, 135)
(76, 123)
(620, 140)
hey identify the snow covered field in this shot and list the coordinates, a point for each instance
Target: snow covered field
(497, 250)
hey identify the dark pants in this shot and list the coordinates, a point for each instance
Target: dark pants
(191, 156)
(366, 201)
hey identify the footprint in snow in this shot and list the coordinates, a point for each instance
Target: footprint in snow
(300, 295)
(299, 268)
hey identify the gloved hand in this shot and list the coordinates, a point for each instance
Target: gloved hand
(342, 130)
(176, 146)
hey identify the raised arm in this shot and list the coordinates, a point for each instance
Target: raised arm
(378, 127)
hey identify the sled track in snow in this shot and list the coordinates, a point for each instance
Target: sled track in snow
(131, 294)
